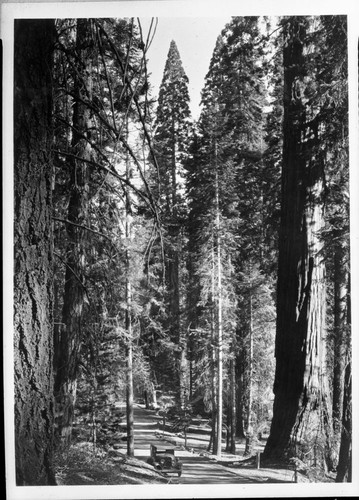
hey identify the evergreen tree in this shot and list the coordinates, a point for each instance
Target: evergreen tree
(106, 94)
(171, 143)
(227, 153)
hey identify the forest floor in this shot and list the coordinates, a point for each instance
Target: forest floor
(83, 465)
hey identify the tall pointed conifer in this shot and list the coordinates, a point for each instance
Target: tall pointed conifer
(225, 177)
(171, 145)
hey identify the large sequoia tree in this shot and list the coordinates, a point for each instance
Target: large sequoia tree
(299, 405)
(33, 252)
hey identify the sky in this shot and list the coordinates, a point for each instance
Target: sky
(195, 38)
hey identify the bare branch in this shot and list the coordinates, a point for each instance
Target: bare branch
(109, 171)
(81, 226)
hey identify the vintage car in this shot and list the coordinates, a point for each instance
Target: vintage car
(165, 460)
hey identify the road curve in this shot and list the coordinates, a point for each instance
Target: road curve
(196, 469)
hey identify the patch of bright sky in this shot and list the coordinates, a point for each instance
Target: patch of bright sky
(195, 38)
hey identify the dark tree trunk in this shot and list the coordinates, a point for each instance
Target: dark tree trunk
(344, 470)
(299, 350)
(74, 292)
(33, 278)
(239, 398)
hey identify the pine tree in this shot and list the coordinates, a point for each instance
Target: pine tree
(104, 69)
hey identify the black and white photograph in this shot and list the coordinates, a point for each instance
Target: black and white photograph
(180, 240)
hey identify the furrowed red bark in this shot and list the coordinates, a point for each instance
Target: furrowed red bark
(298, 411)
(33, 278)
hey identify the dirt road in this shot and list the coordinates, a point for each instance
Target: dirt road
(196, 469)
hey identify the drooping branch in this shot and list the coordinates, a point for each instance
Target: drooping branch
(109, 171)
(82, 226)
(140, 115)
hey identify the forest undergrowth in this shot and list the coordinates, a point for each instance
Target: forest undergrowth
(106, 464)
(82, 464)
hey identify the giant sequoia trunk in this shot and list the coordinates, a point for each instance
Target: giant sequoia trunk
(298, 411)
(69, 342)
(33, 278)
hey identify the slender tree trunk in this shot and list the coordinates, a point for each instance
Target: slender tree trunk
(249, 429)
(173, 265)
(340, 342)
(219, 355)
(232, 406)
(239, 397)
(183, 337)
(190, 370)
(298, 411)
(219, 319)
(344, 470)
(74, 292)
(129, 399)
(213, 439)
(128, 320)
(33, 258)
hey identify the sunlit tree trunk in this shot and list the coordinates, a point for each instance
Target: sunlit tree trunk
(129, 335)
(232, 406)
(184, 364)
(213, 439)
(173, 266)
(33, 258)
(219, 329)
(249, 375)
(129, 383)
(340, 341)
(128, 313)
